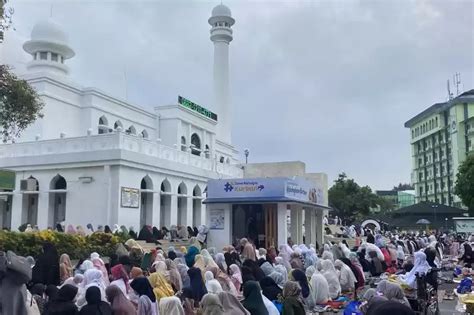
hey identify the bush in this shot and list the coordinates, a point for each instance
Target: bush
(76, 246)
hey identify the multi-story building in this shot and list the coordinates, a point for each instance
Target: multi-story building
(442, 136)
(397, 199)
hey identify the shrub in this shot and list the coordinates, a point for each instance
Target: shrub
(76, 246)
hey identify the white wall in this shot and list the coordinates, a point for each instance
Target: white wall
(220, 238)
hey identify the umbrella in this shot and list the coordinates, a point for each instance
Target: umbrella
(423, 221)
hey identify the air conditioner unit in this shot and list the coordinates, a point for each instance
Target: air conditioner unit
(28, 184)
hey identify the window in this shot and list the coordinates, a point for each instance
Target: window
(195, 144)
(144, 134)
(61, 59)
(43, 55)
(183, 143)
(420, 176)
(221, 159)
(118, 124)
(54, 57)
(421, 190)
(429, 125)
(207, 151)
(436, 156)
(131, 131)
(413, 134)
(436, 122)
(103, 126)
(420, 161)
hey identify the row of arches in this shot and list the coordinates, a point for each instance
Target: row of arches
(104, 128)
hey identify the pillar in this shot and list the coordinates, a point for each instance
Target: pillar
(189, 211)
(203, 214)
(296, 224)
(309, 228)
(174, 210)
(282, 234)
(17, 210)
(43, 211)
(319, 226)
(156, 212)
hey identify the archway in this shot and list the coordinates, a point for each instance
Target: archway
(146, 206)
(118, 124)
(183, 143)
(29, 213)
(144, 134)
(57, 200)
(103, 125)
(195, 144)
(165, 204)
(182, 203)
(197, 206)
(131, 130)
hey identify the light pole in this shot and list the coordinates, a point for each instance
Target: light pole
(446, 224)
(246, 152)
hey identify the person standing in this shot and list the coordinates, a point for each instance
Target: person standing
(46, 269)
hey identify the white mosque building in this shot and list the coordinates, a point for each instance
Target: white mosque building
(95, 158)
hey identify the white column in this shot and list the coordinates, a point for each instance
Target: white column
(17, 210)
(294, 223)
(282, 236)
(156, 210)
(308, 225)
(203, 214)
(174, 210)
(189, 211)
(300, 224)
(319, 226)
(43, 211)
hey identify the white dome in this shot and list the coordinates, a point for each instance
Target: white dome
(49, 31)
(221, 10)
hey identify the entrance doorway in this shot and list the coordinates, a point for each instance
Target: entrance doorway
(146, 204)
(257, 222)
(57, 200)
(29, 211)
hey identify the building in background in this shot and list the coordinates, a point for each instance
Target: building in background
(442, 136)
(406, 198)
(98, 159)
(396, 198)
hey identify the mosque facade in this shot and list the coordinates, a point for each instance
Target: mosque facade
(94, 158)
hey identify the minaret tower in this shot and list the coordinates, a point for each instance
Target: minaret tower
(49, 48)
(221, 22)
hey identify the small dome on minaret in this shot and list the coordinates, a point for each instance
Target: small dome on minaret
(221, 10)
(49, 47)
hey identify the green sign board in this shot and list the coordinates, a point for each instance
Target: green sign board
(7, 180)
(196, 108)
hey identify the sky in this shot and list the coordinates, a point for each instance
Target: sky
(329, 83)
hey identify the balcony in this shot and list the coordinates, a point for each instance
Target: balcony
(100, 144)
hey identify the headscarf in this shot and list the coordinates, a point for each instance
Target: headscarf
(200, 263)
(220, 261)
(300, 277)
(392, 292)
(70, 229)
(94, 302)
(119, 303)
(270, 289)
(253, 301)
(327, 255)
(93, 277)
(421, 266)
(118, 272)
(175, 278)
(235, 276)
(212, 285)
(279, 260)
(371, 297)
(132, 244)
(142, 286)
(100, 265)
(161, 287)
(320, 288)
(208, 260)
(291, 289)
(267, 268)
(197, 283)
(211, 305)
(356, 263)
(135, 273)
(329, 272)
(80, 230)
(347, 279)
(248, 252)
(231, 304)
(190, 256)
(75, 281)
(65, 267)
(171, 306)
(183, 273)
(283, 272)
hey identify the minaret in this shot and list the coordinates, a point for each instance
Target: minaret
(49, 48)
(221, 35)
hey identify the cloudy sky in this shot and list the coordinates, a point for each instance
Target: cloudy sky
(329, 83)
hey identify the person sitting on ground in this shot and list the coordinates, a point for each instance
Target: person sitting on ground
(292, 299)
(119, 303)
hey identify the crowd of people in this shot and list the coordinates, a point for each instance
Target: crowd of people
(237, 279)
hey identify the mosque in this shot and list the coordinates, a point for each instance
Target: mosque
(95, 158)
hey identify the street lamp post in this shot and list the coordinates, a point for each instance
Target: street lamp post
(246, 152)
(446, 224)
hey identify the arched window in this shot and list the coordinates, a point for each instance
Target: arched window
(146, 183)
(227, 161)
(436, 122)
(221, 159)
(131, 131)
(182, 189)
(58, 182)
(118, 124)
(195, 144)
(207, 152)
(165, 186)
(103, 125)
(197, 191)
(144, 134)
(183, 143)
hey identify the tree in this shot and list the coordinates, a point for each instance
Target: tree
(5, 18)
(351, 200)
(465, 183)
(20, 105)
(402, 187)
